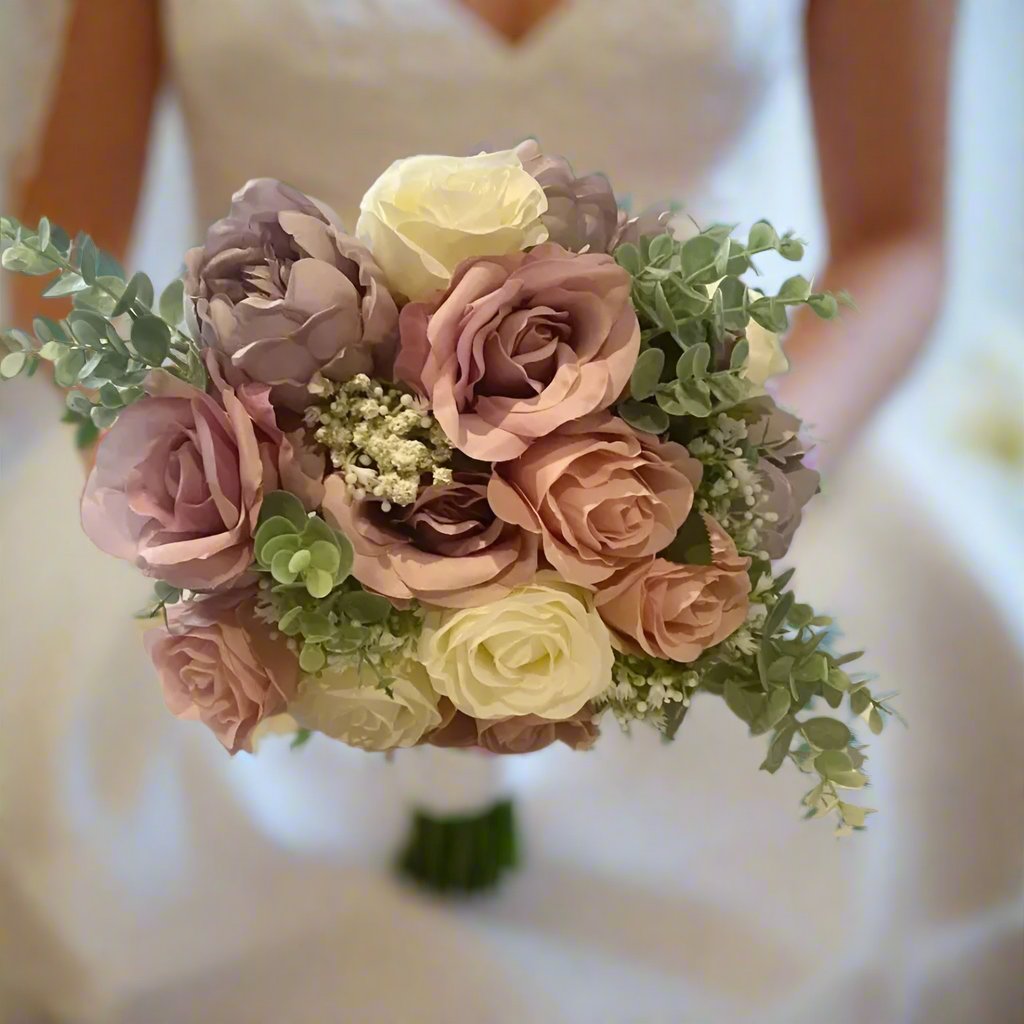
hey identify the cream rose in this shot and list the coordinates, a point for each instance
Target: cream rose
(542, 650)
(425, 215)
(353, 707)
(765, 358)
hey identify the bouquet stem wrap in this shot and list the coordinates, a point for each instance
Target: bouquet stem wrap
(462, 834)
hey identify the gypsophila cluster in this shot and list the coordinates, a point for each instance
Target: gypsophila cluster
(731, 490)
(643, 688)
(382, 439)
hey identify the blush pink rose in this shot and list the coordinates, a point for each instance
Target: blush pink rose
(677, 611)
(180, 478)
(522, 734)
(519, 345)
(218, 664)
(601, 496)
(448, 548)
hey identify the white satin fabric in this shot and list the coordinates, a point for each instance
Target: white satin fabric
(147, 878)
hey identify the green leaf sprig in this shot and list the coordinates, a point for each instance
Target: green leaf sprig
(694, 308)
(91, 348)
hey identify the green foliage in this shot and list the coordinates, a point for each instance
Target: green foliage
(348, 627)
(299, 550)
(692, 545)
(694, 308)
(111, 339)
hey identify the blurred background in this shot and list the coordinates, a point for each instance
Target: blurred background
(143, 880)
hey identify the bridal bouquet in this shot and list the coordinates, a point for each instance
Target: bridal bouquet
(495, 468)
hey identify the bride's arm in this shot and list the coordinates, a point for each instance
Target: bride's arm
(879, 75)
(88, 167)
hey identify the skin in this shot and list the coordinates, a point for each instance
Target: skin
(878, 73)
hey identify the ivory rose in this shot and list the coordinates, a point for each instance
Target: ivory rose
(218, 664)
(520, 345)
(601, 496)
(284, 293)
(540, 650)
(447, 548)
(353, 707)
(674, 611)
(426, 214)
(180, 478)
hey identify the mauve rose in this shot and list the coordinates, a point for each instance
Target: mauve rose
(283, 292)
(582, 212)
(519, 345)
(447, 548)
(522, 734)
(217, 663)
(601, 496)
(788, 485)
(180, 477)
(677, 611)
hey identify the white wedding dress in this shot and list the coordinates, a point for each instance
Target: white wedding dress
(145, 877)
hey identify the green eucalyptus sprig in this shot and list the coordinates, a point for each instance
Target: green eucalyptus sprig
(772, 686)
(694, 308)
(112, 337)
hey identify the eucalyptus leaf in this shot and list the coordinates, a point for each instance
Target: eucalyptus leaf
(628, 257)
(826, 733)
(739, 356)
(68, 367)
(67, 284)
(743, 703)
(825, 305)
(692, 544)
(172, 302)
(762, 236)
(151, 339)
(312, 658)
(124, 303)
(12, 364)
(779, 747)
(666, 317)
(775, 709)
(795, 289)
(791, 249)
(661, 248)
(87, 258)
(832, 763)
(364, 607)
(52, 351)
(103, 417)
(700, 256)
(647, 373)
(646, 418)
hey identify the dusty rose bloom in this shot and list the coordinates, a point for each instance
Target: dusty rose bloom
(788, 484)
(519, 345)
(180, 478)
(217, 664)
(520, 735)
(601, 496)
(582, 212)
(282, 291)
(677, 611)
(448, 548)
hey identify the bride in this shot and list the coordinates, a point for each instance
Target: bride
(144, 877)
